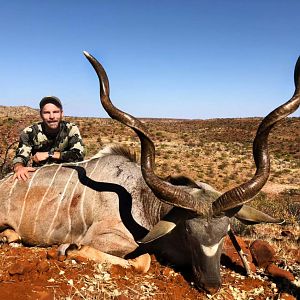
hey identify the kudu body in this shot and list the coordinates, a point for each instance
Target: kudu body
(110, 202)
(102, 202)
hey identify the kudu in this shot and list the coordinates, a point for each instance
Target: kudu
(112, 208)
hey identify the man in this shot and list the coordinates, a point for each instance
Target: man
(50, 141)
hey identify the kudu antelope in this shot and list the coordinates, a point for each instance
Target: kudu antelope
(112, 208)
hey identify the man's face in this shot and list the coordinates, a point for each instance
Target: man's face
(51, 116)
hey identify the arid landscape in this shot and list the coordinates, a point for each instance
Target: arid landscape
(215, 151)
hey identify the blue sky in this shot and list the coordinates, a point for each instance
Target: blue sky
(175, 59)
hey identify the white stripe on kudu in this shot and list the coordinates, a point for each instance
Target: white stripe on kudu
(25, 197)
(42, 200)
(51, 229)
(9, 196)
(82, 205)
(69, 206)
(5, 179)
(211, 250)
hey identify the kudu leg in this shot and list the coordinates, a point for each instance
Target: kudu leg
(140, 263)
(9, 236)
(240, 252)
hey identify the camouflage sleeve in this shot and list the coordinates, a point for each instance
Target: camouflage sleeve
(76, 149)
(23, 151)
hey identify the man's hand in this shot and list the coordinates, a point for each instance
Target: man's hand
(22, 173)
(40, 156)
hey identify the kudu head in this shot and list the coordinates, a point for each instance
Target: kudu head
(200, 214)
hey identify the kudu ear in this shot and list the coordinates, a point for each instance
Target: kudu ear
(249, 215)
(181, 180)
(175, 216)
(159, 230)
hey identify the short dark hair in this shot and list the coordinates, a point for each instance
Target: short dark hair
(50, 99)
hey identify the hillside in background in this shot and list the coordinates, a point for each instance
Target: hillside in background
(17, 111)
(217, 151)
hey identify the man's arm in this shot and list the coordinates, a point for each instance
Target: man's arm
(22, 156)
(24, 149)
(76, 150)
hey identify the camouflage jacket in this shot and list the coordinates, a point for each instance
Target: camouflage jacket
(34, 139)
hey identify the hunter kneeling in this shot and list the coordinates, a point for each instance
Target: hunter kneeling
(50, 141)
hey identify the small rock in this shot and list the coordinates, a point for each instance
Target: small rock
(16, 269)
(275, 271)
(262, 253)
(121, 297)
(43, 254)
(79, 259)
(52, 254)
(285, 296)
(20, 268)
(42, 266)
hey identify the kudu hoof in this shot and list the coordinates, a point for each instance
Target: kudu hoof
(9, 236)
(141, 263)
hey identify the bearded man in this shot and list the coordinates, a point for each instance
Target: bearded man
(52, 140)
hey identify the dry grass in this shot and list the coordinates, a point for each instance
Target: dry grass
(217, 151)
